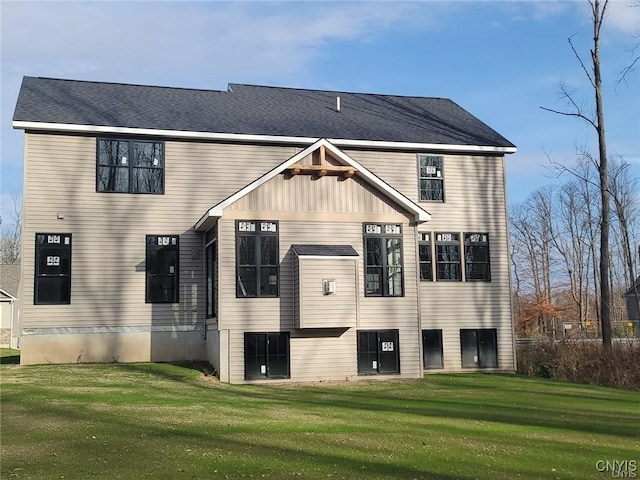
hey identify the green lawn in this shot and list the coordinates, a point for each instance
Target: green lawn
(132, 421)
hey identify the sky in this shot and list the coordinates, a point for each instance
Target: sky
(500, 60)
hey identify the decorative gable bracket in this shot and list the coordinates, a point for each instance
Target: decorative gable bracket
(321, 167)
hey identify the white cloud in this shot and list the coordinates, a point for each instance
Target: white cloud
(624, 16)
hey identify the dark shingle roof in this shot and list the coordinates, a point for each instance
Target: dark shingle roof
(325, 250)
(254, 110)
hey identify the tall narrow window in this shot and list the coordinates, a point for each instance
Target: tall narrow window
(128, 166)
(431, 178)
(432, 348)
(266, 355)
(163, 253)
(476, 257)
(424, 254)
(53, 269)
(479, 347)
(448, 257)
(212, 278)
(383, 257)
(257, 259)
(378, 352)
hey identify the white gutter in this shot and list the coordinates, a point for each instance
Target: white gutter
(241, 137)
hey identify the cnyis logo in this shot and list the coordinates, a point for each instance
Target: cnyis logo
(618, 468)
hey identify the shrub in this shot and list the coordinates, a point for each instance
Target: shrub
(583, 362)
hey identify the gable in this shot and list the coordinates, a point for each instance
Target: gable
(341, 185)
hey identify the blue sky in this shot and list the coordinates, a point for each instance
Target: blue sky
(501, 61)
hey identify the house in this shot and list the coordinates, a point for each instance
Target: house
(9, 305)
(632, 298)
(281, 234)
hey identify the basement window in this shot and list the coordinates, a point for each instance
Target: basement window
(266, 355)
(479, 348)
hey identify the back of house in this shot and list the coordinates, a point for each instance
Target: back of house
(280, 234)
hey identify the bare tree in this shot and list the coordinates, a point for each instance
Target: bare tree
(11, 235)
(598, 13)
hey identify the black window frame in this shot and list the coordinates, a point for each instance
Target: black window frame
(472, 341)
(261, 231)
(480, 242)
(444, 245)
(155, 243)
(269, 341)
(211, 279)
(425, 178)
(375, 350)
(370, 233)
(131, 169)
(425, 257)
(55, 249)
(432, 338)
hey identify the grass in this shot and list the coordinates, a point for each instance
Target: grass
(130, 421)
(9, 355)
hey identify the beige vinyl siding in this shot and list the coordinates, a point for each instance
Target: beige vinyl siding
(108, 229)
(277, 314)
(475, 201)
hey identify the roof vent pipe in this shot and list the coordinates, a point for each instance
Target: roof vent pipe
(337, 104)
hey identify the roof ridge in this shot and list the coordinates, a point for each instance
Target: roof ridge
(298, 89)
(128, 84)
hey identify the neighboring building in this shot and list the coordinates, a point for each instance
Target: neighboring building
(278, 233)
(9, 305)
(633, 306)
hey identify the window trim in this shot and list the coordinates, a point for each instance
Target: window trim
(258, 254)
(460, 259)
(419, 156)
(130, 166)
(385, 267)
(176, 294)
(429, 243)
(211, 291)
(286, 335)
(37, 275)
(466, 261)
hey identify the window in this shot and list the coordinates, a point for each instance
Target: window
(479, 348)
(448, 257)
(476, 257)
(163, 253)
(212, 277)
(431, 178)
(378, 352)
(53, 269)
(383, 257)
(128, 166)
(266, 355)
(424, 255)
(257, 259)
(432, 348)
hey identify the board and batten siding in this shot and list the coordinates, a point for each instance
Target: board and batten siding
(321, 222)
(109, 229)
(475, 201)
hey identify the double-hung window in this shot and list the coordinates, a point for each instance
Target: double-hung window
(257, 259)
(53, 269)
(448, 260)
(163, 253)
(425, 256)
(431, 178)
(130, 166)
(476, 257)
(383, 257)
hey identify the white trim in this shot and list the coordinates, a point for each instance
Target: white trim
(239, 137)
(11, 297)
(420, 214)
(100, 330)
(302, 256)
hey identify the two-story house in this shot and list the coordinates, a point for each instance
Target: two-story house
(278, 233)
